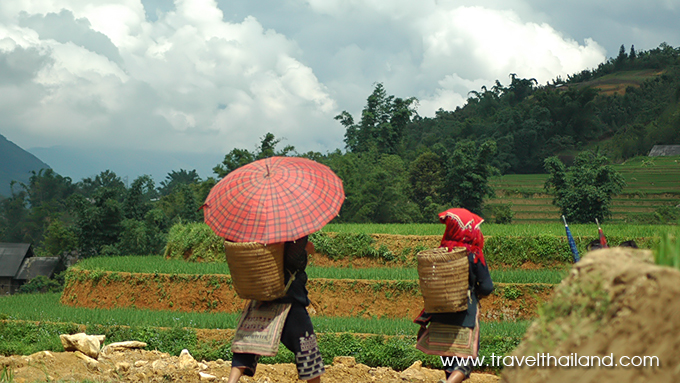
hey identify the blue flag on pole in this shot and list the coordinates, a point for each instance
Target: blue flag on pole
(572, 243)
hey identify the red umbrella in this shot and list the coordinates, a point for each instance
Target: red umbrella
(272, 200)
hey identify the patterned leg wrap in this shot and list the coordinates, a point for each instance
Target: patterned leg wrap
(308, 360)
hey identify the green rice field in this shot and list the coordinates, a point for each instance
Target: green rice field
(651, 183)
(42, 307)
(514, 230)
(158, 264)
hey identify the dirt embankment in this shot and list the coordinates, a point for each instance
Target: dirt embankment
(616, 304)
(330, 297)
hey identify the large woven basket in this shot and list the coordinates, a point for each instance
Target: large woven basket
(444, 279)
(256, 269)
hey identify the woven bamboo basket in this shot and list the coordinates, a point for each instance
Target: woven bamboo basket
(256, 269)
(444, 279)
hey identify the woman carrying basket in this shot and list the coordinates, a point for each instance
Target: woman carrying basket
(462, 230)
(298, 333)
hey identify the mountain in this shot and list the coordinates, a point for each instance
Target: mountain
(79, 163)
(16, 164)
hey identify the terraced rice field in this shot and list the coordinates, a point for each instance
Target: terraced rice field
(651, 183)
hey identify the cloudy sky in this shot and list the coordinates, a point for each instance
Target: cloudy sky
(202, 77)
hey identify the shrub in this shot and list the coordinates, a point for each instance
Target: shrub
(503, 214)
(194, 241)
(42, 284)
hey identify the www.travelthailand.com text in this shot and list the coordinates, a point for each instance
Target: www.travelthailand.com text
(547, 360)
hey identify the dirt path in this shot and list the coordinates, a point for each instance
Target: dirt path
(151, 366)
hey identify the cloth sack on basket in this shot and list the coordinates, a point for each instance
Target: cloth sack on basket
(260, 327)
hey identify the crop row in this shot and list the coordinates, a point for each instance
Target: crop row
(47, 307)
(157, 264)
(523, 230)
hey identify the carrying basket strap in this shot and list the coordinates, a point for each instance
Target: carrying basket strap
(290, 281)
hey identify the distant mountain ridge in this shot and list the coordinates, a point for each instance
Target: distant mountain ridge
(16, 164)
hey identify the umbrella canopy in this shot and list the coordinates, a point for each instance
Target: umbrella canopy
(272, 200)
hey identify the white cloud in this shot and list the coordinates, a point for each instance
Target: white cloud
(189, 81)
(496, 43)
(470, 42)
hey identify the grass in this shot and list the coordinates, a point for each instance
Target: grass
(152, 264)
(158, 264)
(46, 307)
(42, 307)
(668, 253)
(513, 230)
(553, 276)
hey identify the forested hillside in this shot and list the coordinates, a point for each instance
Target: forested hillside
(624, 107)
(396, 166)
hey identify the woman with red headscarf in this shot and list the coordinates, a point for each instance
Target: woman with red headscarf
(462, 230)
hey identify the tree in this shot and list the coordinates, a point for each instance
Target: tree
(426, 178)
(632, 55)
(13, 213)
(176, 178)
(46, 192)
(239, 157)
(584, 191)
(382, 124)
(138, 197)
(468, 171)
(98, 220)
(621, 58)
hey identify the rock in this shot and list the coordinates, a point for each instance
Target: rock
(90, 362)
(202, 366)
(159, 366)
(87, 344)
(122, 367)
(141, 363)
(186, 360)
(123, 346)
(347, 361)
(206, 377)
(41, 355)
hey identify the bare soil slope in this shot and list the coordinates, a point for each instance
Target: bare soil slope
(614, 302)
(330, 297)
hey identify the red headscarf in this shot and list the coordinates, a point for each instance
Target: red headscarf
(462, 230)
